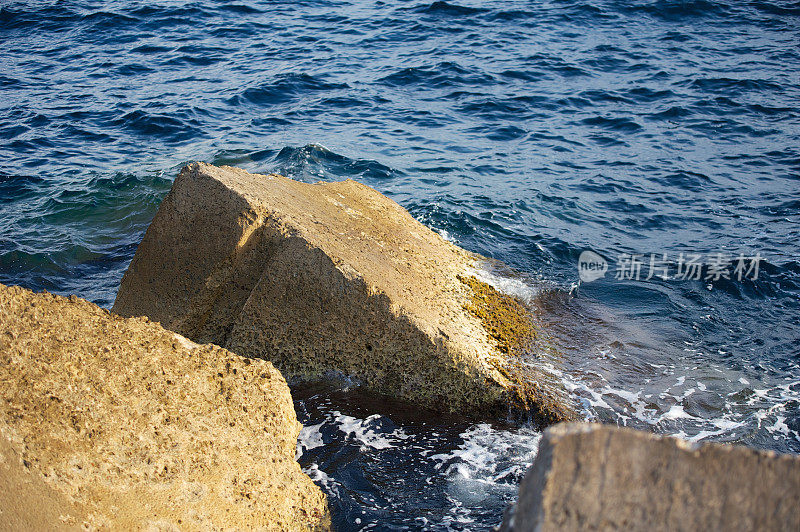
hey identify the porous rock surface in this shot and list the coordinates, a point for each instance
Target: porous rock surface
(332, 277)
(115, 423)
(601, 477)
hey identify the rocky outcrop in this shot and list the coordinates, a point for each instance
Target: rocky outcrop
(334, 277)
(599, 477)
(117, 423)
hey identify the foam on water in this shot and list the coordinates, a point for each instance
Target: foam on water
(680, 407)
(411, 471)
(309, 438)
(489, 456)
(368, 431)
(517, 287)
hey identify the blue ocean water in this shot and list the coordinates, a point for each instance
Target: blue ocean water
(527, 131)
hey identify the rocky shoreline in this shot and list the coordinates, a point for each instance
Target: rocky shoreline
(174, 417)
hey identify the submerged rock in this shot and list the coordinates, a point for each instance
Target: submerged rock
(600, 477)
(334, 277)
(117, 423)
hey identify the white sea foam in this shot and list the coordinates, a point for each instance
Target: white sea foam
(749, 406)
(675, 412)
(366, 431)
(507, 285)
(488, 463)
(321, 478)
(310, 438)
(779, 426)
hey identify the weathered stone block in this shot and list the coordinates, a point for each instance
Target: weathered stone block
(600, 477)
(334, 277)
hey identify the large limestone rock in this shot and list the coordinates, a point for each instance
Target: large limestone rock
(599, 477)
(119, 424)
(333, 277)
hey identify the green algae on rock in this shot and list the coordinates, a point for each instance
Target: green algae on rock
(511, 324)
(320, 278)
(503, 316)
(121, 424)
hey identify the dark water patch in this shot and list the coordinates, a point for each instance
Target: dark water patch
(730, 128)
(17, 186)
(505, 133)
(199, 56)
(158, 125)
(778, 8)
(552, 140)
(168, 17)
(148, 49)
(733, 85)
(134, 70)
(571, 12)
(13, 131)
(342, 102)
(242, 158)
(8, 82)
(51, 17)
(85, 134)
(392, 471)
(512, 15)
(422, 119)
(605, 96)
(238, 32)
(684, 180)
(57, 251)
(616, 124)
(680, 10)
(787, 113)
(241, 9)
(606, 141)
(607, 64)
(648, 95)
(673, 113)
(106, 20)
(494, 109)
(524, 75)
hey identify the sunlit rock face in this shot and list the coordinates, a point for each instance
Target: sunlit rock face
(335, 277)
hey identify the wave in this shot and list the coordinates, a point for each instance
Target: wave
(447, 9)
(444, 74)
(317, 162)
(158, 125)
(284, 88)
